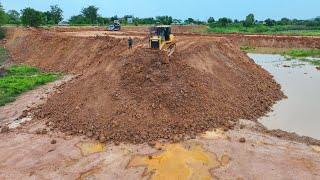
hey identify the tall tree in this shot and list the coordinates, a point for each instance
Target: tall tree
(3, 15)
(31, 17)
(90, 13)
(14, 17)
(249, 20)
(56, 14)
(3, 20)
(211, 20)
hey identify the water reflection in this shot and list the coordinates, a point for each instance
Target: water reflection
(300, 81)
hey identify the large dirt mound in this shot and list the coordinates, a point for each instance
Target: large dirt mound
(136, 96)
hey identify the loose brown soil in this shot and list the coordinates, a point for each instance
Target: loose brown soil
(140, 95)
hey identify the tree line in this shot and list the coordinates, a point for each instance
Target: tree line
(90, 16)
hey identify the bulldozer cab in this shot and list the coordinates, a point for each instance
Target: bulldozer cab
(162, 31)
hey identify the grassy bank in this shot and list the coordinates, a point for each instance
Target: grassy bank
(4, 55)
(299, 54)
(20, 78)
(263, 29)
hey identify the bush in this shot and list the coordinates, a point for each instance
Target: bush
(32, 17)
(2, 33)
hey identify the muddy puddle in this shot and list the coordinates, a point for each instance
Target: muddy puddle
(300, 82)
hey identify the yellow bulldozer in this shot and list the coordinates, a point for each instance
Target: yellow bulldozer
(162, 39)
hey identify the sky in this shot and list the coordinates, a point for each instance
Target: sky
(181, 9)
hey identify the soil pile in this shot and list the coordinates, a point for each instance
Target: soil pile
(139, 96)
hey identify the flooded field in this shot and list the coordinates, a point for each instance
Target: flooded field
(298, 113)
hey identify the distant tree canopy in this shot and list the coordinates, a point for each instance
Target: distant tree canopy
(211, 20)
(165, 20)
(89, 15)
(270, 22)
(3, 16)
(224, 21)
(54, 16)
(32, 17)
(13, 17)
(249, 21)
(3, 19)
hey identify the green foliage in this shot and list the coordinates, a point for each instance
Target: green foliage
(165, 20)
(223, 22)
(3, 16)
(247, 48)
(249, 21)
(270, 22)
(91, 14)
(264, 29)
(4, 55)
(13, 17)
(54, 16)
(298, 53)
(32, 17)
(79, 19)
(20, 79)
(315, 62)
(211, 20)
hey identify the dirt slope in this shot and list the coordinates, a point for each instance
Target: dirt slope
(137, 96)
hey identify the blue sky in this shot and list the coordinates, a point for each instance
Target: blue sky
(198, 9)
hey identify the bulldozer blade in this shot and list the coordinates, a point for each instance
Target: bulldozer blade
(171, 48)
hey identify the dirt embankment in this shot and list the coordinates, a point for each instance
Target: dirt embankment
(136, 96)
(278, 41)
(272, 41)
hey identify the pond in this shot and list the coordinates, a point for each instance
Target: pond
(300, 81)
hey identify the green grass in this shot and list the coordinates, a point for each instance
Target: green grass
(315, 62)
(21, 78)
(4, 55)
(247, 48)
(263, 29)
(298, 53)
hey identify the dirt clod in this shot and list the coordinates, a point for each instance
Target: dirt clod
(5, 129)
(53, 141)
(152, 144)
(242, 140)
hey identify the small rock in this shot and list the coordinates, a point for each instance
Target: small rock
(116, 143)
(152, 144)
(44, 131)
(150, 157)
(318, 68)
(38, 131)
(286, 66)
(53, 141)
(242, 140)
(102, 139)
(5, 129)
(89, 134)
